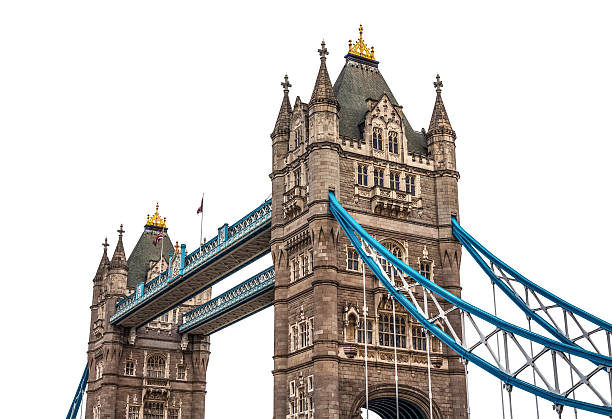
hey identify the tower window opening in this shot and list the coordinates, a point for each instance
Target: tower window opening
(393, 144)
(394, 178)
(156, 367)
(154, 410)
(419, 340)
(180, 372)
(425, 269)
(410, 189)
(362, 175)
(173, 413)
(129, 368)
(352, 260)
(377, 139)
(134, 412)
(370, 327)
(385, 327)
(378, 177)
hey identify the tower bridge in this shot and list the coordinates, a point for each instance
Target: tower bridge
(363, 229)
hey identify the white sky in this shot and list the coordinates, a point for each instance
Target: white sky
(108, 107)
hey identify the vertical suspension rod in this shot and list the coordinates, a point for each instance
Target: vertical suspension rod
(365, 339)
(395, 348)
(531, 348)
(501, 385)
(428, 356)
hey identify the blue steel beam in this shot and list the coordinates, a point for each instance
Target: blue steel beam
(199, 270)
(78, 397)
(352, 228)
(229, 306)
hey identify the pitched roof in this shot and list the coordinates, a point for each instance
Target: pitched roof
(439, 118)
(283, 121)
(118, 261)
(360, 80)
(144, 252)
(323, 91)
(103, 266)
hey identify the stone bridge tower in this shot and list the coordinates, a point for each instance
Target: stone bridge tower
(353, 138)
(150, 372)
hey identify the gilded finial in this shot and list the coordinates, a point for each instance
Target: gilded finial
(360, 48)
(156, 220)
(438, 84)
(177, 248)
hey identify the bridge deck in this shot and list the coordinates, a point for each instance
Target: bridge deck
(235, 247)
(247, 298)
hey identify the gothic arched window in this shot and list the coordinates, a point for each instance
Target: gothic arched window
(377, 141)
(393, 144)
(352, 260)
(397, 252)
(360, 332)
(385, 330)
(156, 366)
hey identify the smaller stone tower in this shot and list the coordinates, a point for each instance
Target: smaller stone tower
(149, 372)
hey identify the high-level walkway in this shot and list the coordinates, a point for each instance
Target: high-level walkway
(234, 247)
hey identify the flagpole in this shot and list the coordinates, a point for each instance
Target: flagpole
(161, 254)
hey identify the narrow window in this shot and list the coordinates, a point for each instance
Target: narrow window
(291, 388)
(172, 413)
(352, 260)
(296, 338)
(180, 372)
(310, 383)
(134, 412)
(393, 145)
(377, 142)
(386, 330)
(298, 178)
(129, 368)
(360, 332)
(425, 269)
(303, 335)
(304, 264)
(164, 318)
(394, 180)
(418, 338)
(362, 175)
(311, 325)
(301, 401)
(410, 189)
(378, 177)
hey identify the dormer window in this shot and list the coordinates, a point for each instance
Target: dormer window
(377, 142)
(393, 145)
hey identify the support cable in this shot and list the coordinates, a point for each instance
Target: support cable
(428, 356)
(365, 339)
(465, 364)
(395, 348)
(571, 371)
(501, 384)
(531, 349)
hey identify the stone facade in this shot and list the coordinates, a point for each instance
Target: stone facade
(151, 372)
(401, 186)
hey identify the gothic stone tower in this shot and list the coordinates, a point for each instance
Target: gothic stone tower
(149, 372)
(401, 185)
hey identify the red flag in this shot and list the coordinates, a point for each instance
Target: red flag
(201, 208)
(158, 237)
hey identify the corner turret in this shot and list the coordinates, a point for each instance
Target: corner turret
(440, 135)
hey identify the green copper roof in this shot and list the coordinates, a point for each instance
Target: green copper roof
(356, 83)
(144, 252)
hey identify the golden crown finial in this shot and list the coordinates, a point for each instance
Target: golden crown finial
(156, 220)
(360, 48)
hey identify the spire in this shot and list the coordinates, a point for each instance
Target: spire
(439, 124)
(104, 263)
(118, 261)
(284, 115)
(323, 91)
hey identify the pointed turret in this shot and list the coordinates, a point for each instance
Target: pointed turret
(104, 264)
(323, 91)
(439, 124)
(284, 114)
(119, 261)
(440, 135)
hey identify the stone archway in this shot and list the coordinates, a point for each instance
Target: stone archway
(413, 403)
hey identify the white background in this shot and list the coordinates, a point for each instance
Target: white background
(108, 107)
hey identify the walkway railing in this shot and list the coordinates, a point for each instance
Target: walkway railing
(227, 237)
(252, 287)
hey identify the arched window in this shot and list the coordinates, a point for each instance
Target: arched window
(377, 142)
(156, 366)
(153, 410)
(360, 332)
(352, 260)
(385, 327)
(397, 252)
(393, 144)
